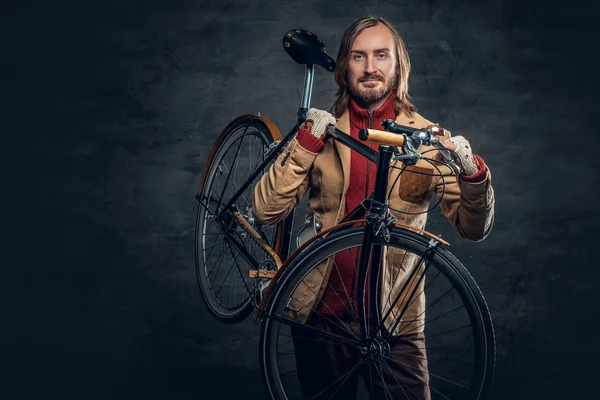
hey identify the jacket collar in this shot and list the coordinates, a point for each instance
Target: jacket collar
(360, 117)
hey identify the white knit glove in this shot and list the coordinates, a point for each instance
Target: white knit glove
(463, 151)
(320, 119)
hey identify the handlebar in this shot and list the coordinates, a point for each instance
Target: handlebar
(381, 137)
(394, 134)
(407, 138)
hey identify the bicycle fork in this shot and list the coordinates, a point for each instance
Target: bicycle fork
(378, 219)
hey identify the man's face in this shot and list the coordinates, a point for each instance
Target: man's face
(372, 65)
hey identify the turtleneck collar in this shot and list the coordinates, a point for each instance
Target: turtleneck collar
(359, 116)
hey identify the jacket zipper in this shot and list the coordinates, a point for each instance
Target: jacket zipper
(352, 287)
(368, 163)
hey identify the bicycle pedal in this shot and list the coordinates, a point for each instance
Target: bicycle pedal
(261, 273)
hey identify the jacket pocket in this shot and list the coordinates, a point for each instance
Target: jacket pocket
(415, 184)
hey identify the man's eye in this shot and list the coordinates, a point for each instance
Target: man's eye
(358, 56)
(382, 55)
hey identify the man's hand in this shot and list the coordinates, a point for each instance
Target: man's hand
(317, 121)
(463, 151)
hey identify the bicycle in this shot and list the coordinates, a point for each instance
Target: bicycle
(251, 268)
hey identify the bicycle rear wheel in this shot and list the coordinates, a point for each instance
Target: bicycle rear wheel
(221, 270)
(447, 351)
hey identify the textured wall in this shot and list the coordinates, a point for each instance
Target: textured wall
(114, 106)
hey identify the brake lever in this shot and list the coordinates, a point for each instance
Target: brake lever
(448, 159)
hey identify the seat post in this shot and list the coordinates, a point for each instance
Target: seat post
(306, 92)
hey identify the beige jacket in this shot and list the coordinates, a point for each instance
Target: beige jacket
(468, 206)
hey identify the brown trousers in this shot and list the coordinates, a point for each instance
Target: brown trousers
(327, 369)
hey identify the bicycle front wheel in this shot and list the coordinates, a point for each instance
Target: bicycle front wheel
(221, 270)
(437, 340)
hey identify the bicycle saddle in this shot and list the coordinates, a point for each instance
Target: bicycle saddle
(306, 48)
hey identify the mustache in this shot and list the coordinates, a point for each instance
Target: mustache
(372, 76)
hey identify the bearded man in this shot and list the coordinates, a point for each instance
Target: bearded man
(372, 71)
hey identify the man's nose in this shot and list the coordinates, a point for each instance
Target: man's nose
(370, 67)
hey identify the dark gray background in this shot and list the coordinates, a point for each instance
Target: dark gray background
(111, 108)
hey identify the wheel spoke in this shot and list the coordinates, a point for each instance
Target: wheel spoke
(402, 291)
(344, 376)
(348, 304)
(421, 276)
(397, 382)
(423, 291)
(207, 257)
(224, 279)
(296, 337)
(240, 272)
(234, 184)
(307, 328)
(423, 312)
(349, 307)
(235, 158)
(429, 359)
(431, 320)
(341, 323)
(428, 372)
(389, 299)
(448, 331)
(387, 392)
(216, 264)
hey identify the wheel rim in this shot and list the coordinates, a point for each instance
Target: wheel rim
(458, 351)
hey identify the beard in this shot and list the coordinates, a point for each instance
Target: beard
(367, 96)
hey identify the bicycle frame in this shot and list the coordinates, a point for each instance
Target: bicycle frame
(377, 209)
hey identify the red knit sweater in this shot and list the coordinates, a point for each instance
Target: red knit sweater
(343, 279)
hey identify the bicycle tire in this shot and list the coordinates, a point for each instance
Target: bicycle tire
(228, 159)
(274, 361)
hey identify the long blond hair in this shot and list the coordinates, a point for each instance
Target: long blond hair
(401, 102)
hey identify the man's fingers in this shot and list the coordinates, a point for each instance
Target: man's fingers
(450, 144)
